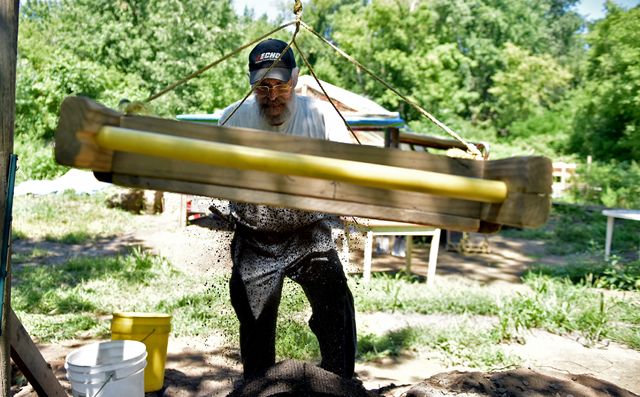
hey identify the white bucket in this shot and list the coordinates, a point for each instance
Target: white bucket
(107, 369)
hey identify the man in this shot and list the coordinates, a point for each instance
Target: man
(270, 244)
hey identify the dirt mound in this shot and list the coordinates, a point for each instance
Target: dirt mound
(520, 382)
(301, 379)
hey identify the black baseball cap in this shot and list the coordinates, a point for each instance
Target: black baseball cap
(264, 55)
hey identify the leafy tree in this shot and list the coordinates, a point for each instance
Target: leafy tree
(109, 50)
(160, 41)
(608, 121)
(526, 86)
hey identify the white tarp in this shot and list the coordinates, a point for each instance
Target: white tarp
(77, 180)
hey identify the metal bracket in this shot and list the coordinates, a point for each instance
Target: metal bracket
(6, 229)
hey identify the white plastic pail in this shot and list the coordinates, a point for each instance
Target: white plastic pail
(107, 369)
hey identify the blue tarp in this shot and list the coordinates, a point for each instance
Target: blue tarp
(356, 121)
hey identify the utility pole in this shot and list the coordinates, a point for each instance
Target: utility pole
(8, 54)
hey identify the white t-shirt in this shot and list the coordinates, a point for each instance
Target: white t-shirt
(310, 118)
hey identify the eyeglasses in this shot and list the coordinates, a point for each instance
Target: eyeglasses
(265, 90)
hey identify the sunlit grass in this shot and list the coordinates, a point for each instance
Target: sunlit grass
(75, 299)
(573, 229)
(68, 218)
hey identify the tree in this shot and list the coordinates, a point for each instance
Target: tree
(110, 50)
(527, 86)
(608, 121)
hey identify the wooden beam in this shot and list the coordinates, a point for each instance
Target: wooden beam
(124, 163)
(296, 164)
(8, 52)
(28, 358)
(430, 141)
(460, 223)
(82, 120)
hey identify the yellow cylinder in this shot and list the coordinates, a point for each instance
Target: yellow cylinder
(285, 163)
(152, 329)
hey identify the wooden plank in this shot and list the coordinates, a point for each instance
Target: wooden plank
(148, 166)
(292, 201)
(9, 10)
(295, 144)
(522, 174)
(80, 119)
(519, 210)
(28, 358)
(430, 141)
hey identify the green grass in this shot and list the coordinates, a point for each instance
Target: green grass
(75, 299)
(389, 293)
(613, 274)
(390, 344)
(34, 254)
(96, 287)
(68, 218)
(573, 229)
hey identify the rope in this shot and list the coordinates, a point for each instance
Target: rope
(212, 64)
(306, 62)
(297, 10)
(470, 147)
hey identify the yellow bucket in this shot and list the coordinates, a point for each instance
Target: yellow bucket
(152, 329)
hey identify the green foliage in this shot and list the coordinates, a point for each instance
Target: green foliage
(390, 344)
(608, 122)
(109, 51)
(614, 274)
(557, 306)
(613, 184)
(35, 159)
(527, 86)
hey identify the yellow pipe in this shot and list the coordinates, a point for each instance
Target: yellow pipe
(248, 158)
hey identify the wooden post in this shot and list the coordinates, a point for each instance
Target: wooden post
(8, 54)
(392, 137)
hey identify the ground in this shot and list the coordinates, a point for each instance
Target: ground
(560, 365)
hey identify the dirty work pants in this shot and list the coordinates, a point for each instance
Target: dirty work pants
(333, 316)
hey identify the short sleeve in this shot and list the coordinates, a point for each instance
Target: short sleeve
(335, 128)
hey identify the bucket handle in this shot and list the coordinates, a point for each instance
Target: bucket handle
(148, 335)
(111, 375)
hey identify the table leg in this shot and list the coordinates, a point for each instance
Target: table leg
(433, 257)
(368, 251)
(407, 253)
(607, 244)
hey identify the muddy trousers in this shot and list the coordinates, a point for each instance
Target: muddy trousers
(332, 321)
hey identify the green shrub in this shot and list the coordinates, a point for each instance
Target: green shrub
(613, 184)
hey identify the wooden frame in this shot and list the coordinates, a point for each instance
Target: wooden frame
(528, 179)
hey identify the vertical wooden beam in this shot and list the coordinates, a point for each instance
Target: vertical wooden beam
(8, 53)
(392, 137)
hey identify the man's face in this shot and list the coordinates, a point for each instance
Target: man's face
(274, 96)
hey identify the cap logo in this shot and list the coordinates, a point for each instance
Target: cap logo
(267, 56)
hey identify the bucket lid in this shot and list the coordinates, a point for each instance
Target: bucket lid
(136, 323)
(106, 356)
(163, 316)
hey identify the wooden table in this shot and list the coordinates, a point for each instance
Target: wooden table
(388, 228)
(611, 215)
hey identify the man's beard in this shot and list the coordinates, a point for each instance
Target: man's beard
(275, 111)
